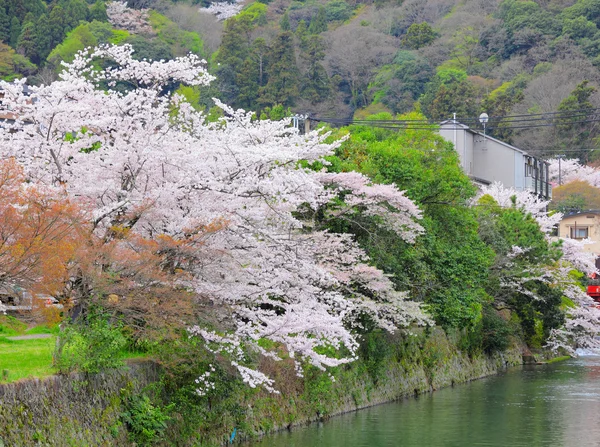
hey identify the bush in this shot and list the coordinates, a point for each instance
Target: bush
(496, 331)
(146, 421)
(91, 345)
(338, 10)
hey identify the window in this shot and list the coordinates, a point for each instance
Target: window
(579, 232)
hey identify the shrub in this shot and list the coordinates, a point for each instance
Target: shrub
(91, 345)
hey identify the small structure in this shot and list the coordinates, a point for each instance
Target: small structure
(583, 225)
(486, 160)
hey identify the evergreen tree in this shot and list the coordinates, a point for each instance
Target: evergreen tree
(98, 12)
(284, 23)
(15, 32)
(231, 56)
(76, 11)
(58, 24)
(26, 44)
(318, 24)
(282, 86)
(570, 132)
(43, 37)
(301, 31)
(4, 23)
(253, 75)
(317, 85)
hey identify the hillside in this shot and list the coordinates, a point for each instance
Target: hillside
(339, 59)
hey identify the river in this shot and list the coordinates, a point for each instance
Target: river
(547, 405)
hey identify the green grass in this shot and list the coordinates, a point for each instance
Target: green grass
(11, 326)
(43, 329)
(20, 359)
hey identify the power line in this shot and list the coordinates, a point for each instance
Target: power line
(426, 125)
(502, 122)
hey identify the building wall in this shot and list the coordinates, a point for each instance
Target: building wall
(495, 162)
(590, 221)
(463, 143)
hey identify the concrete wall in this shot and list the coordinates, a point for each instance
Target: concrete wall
(85, 410)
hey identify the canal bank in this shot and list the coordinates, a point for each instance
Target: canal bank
(97, 409)
(553, 405)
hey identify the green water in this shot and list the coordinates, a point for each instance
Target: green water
(549, 405)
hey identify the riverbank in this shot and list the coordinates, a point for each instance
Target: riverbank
(83, 409)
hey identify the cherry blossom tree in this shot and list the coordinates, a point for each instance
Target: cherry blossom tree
(570, 170)
(582, 322)
(111, 133)
(524, 200)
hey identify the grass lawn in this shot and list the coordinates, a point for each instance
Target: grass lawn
(25, 358)
(21, 359)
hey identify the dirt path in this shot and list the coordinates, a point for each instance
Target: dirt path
(29, 337)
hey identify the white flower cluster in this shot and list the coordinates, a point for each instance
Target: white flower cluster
(133, 20)
(159, 163)
(224, 10)
(205, 383)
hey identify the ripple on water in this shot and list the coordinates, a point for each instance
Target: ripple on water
(554, 405)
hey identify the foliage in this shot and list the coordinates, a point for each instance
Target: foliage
(91, 344)
(40, 232)
(85, 35)
(445, 266)
(169, 235)
(575, 197)
(146, 421)
(419, 35)
(180, 42)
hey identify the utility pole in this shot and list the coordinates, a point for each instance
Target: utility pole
(559, 169)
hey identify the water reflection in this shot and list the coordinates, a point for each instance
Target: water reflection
(550, 405)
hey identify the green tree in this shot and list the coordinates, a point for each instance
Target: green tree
(284, 23)
(58, 24)
(98, 12)
(536, 304)
(282, 86)
(419, 35)
(316, 82)
(232, 53)
(500, 103)
(570, 131)
(43, 37)
(4, 23)
(26, 44)
(318, 24)
(301, 31)
(15, 31)
(445, 266)
(76, 11)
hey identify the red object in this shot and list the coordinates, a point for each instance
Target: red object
(594, 292)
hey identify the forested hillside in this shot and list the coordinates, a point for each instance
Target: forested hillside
(339, 59)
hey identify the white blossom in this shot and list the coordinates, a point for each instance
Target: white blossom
(144, 158)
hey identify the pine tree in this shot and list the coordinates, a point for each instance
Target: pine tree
(282, 86)
(4, 23)
(15, 32)
(284, 23)
(43, 37)
(98, 12)
(319, 23)
(316, 86)
(58, 25)
(26, 44)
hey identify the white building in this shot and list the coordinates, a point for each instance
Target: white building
(486, 160)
